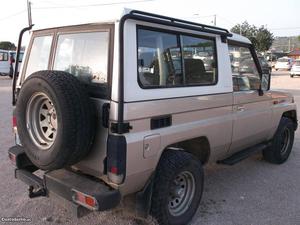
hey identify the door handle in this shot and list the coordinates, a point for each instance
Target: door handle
(240, 108)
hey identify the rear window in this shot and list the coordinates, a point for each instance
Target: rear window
(283, 60)
(3, 56)
(85, 55)
(297, 63)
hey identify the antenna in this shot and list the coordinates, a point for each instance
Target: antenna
(29, 12)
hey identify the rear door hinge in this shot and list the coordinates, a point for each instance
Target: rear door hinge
(120, 128)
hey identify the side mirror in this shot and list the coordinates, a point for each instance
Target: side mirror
(266, 82)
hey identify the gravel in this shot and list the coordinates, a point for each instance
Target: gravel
(250, 192)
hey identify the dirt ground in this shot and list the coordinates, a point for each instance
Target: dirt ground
(251, 192)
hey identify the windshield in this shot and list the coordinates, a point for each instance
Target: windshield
(297, 63)
(283, 60)
(262, 61)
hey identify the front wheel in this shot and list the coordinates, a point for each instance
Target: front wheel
(178, 187)
(282, 143)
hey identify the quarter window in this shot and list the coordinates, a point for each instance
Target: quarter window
(245, 75)
(39, 54)
(172, 60)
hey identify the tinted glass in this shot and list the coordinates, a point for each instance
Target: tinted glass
(199, 60)
(244, 72)
(14, 54)
(39, 54)
(159, 59)
(85, 55)
(283, 60)
(168, 60)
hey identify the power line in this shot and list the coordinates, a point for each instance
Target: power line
(12, 15)
(285, 28)
(92, 5)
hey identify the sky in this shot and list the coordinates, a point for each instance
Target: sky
(278, 16)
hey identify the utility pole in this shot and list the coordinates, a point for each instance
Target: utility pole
(29, 12)
(215, 20)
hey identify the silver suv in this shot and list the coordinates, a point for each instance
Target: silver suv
(139, 106)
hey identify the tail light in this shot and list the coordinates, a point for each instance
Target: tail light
(15, 130)
(85, 200)
(12, 158)
(14, 124)
(116, 158)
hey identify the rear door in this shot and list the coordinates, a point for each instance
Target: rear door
(4, 62)
(86, 52)
(252, 112)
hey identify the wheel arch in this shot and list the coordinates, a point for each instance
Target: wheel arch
(198, 147)
(292, 114)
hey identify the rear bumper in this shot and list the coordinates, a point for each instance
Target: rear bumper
(292, 72)
(63, 183)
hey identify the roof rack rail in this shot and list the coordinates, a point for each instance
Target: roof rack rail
(165, 20)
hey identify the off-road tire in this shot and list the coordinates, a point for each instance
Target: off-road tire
(172, 163)
(75, 119)
(274, 153)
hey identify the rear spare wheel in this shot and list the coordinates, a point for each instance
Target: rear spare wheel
(55, 119)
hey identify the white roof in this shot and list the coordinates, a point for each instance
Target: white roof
(115, 16)
(239, 38)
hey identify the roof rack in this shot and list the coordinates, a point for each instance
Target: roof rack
(165, 20)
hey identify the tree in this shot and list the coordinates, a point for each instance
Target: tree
(6, 45)
(299, 38)
(264, 39)
(261, 38)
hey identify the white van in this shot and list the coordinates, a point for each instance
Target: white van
(13, 56)
(4, 62)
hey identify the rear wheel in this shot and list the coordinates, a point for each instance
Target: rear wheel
(292, 76)
(282, 143)
(178, 188)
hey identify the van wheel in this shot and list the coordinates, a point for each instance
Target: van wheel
(282, 143)
(292, 76)
(55, 119)
(178, 187)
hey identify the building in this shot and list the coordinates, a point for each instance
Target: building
(295, 54)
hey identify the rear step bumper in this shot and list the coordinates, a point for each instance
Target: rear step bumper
(62, 182)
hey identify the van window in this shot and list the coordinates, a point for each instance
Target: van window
(85, 55)
(14, 55)
(3, 56)
(159, 59)
(39, 54)
(174, 60)
(199, 61)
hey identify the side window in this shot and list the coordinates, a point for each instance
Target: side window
(3, 56)
(245, 76)
(199, 60)
(170, 60)
(85, 55)
(159, 59)
(39, 54)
